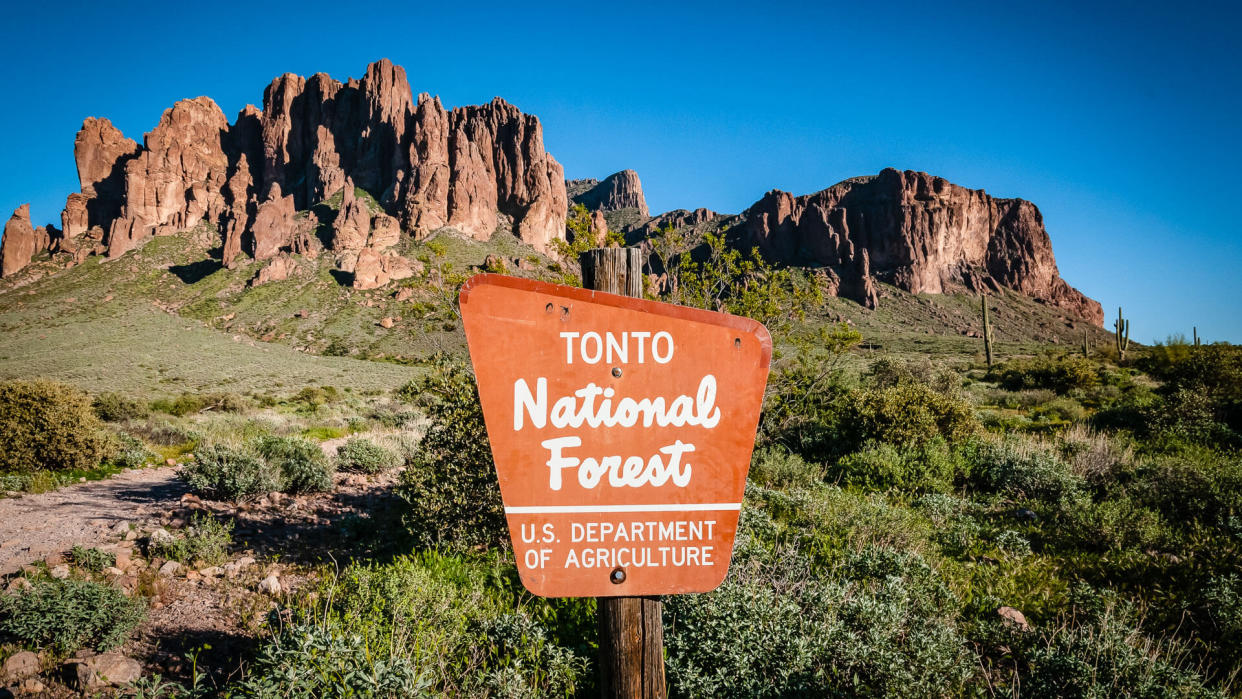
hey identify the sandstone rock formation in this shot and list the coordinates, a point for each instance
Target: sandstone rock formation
(478, 169)
(621, 190)
(919, 233)
(375, 269)
(19, 244)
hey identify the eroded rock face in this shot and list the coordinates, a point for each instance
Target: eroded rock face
(374, 269)
(275, 224)
(920, 233)
(177, 180)
(618, 191)
(474, 168)
(19, 244)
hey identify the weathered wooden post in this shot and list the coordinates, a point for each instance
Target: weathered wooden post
(632, 496)
(631, 629)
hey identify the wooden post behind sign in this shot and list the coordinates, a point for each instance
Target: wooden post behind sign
(631, 629)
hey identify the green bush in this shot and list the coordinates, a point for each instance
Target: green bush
(68, 615)
(114, 407)
(205, 541)
(930, 468)
(128, 451)
(1100, 651)
(361, 455)
(309, 660)
(523, 662)
(879, 624)
(228, 473)
(1021, 469)
(48, 425)
(450, 482)
(910, 414)
(775, 467)
(91, 559)
(1060, 374)
(302, 463)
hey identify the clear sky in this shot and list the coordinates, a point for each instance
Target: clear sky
(1120, 122)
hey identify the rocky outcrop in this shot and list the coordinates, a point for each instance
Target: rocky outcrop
(917, 232)
(374, 269)
(478, 169)
(19, 244)
(177, 180)
(618, 191)
(275, 224)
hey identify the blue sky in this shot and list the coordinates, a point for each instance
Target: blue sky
(1120, 122)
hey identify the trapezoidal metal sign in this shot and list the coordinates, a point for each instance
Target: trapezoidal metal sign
(622, 432)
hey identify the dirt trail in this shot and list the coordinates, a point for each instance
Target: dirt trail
(33, 526)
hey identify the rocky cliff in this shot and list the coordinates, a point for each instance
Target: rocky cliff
(917, 232)
(476, 169)
(618, 191)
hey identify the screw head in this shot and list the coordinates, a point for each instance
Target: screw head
(617, 576)
(616, 372)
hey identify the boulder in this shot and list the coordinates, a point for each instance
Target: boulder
(21, 665)
(277, 270)
(374, 269)
(1013, 617)
(105, 669)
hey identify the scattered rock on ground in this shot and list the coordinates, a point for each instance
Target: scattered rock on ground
(1013, 617)
(21, 665)
(103, 670)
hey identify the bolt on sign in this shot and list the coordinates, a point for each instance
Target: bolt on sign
(622, 432)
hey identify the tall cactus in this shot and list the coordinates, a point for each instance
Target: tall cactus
(1122, 335)
(987, 331)
(1195, 330)
(1086, 343)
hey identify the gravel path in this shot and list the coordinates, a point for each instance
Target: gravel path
(34, 526)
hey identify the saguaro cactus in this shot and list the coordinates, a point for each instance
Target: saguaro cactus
(987, 332)
(1122, 335)
(1086, 343)
(1195, 330)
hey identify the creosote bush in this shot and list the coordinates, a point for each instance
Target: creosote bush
(68, 615)
(223, 472)
(450, 480)
(91, 559)
(46, 425)
(205, 541)
(361, 455)
(302, 464)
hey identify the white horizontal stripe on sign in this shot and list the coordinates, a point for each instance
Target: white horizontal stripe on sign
(575, 509)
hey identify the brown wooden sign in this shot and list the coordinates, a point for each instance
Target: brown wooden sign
(622, 432)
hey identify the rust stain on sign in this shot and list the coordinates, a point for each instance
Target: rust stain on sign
(622, 432)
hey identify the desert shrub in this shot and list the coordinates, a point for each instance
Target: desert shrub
(1060, 374)
(954, 528)
(523, 662)
(128, 451)
(776, 467)
(91, 559)
(230, 473)
(361, 455)
(308, 660)
(1062, 409)
(205, 541)
(1022, 469)
(316, 396)
(68, 615)
(302, 464)
(1100, 651)
(450, 481)
(48, 425)
(888, 372)
(880, 623)
(114, 407)
(180, 406)
(1013, 544)
(910, 414)
(930, 468)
